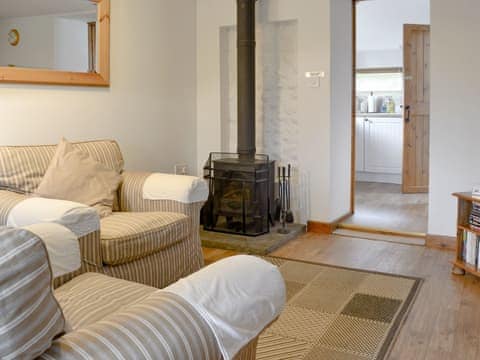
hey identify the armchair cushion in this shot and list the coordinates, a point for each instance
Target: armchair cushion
(30, 317)
(127, 236)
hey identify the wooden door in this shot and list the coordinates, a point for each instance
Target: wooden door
(383, 145)
(416, 51)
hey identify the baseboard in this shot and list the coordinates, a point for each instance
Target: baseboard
(319, 227)
(396, 239)
(372, 230)
(441, 242)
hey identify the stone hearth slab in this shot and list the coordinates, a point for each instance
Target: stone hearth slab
(258, 245)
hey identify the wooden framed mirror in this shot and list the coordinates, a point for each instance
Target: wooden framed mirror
(58, 42)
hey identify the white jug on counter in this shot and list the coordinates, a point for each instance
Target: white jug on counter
(371, 103)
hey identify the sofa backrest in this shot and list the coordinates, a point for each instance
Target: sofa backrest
(22, 167)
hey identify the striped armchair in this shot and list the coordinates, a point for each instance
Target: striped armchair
(94, 316)
(153, 242)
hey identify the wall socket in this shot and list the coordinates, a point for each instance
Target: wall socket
(181, 169)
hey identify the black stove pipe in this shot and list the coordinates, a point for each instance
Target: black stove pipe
(246, 78)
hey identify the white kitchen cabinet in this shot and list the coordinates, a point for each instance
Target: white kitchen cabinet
(383, 139)
(360, 143)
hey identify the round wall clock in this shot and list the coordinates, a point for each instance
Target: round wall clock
(13, 37)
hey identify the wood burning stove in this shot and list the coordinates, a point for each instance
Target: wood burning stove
(242, 185)
(241, 194)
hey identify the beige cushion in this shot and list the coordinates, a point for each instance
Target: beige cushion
(22, 167)
(30, 317)
(127, 236)
(74, 175)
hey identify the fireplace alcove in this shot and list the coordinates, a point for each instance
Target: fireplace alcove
(259, 82)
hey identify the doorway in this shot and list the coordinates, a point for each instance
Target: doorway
(390, 117)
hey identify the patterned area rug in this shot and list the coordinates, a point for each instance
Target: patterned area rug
(335, 313)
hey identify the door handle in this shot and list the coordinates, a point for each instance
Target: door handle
(407, 113)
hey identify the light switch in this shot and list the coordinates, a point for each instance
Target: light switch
(313, 78)
(315, 74)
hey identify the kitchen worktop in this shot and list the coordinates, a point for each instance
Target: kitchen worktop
(380, 115)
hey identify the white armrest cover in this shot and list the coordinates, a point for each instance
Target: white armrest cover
(181, 188)
(237, 296)
(79, 218)
(62, 246)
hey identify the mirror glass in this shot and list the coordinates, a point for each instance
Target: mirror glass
(49, 34)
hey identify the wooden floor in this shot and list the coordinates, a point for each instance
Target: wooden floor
(445, 319)
(384, 206)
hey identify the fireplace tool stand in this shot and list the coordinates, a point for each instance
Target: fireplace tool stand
(286, 214)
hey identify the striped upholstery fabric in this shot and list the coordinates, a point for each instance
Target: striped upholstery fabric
(22, 167)
(128, 236)
(131, 199)
(115, 320)
(159, 269)
(30, 315)
(90, 247)
(162, 268)
(91, 297)
(8, 200)
(180, 248)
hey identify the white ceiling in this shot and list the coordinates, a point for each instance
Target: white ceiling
(22, 8)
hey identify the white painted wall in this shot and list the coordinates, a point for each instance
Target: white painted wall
(380, 30)
(150, 105)
(314, 104)
(455, 79)
(36, 46)
(71, 45)
(277, 125)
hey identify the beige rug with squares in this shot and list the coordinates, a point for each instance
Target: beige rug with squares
(335, 313)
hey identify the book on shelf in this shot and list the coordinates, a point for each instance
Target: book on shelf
(478, 256)
(474, 217)
(475, 228)
(476, 191)
(471, 249)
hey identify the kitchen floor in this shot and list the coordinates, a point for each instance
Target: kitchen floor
(384, 206)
